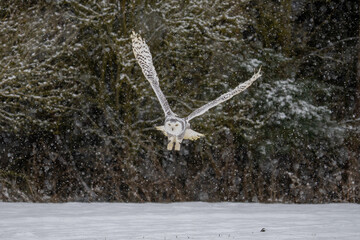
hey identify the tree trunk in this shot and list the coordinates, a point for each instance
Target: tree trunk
(357, 95)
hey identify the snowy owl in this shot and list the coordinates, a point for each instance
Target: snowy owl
(176, 128)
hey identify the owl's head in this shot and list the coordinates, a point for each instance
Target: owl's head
(174, 125)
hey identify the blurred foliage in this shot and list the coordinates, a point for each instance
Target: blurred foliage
(77, 117)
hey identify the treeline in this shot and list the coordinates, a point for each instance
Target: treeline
(77, 117)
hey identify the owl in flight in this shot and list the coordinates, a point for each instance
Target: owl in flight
(176, 128)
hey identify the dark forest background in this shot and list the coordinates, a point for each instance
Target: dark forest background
(77, 116)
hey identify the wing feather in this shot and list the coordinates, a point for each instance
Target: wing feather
(192, 135)
(161, 128)
(143, 56)
(241, 87)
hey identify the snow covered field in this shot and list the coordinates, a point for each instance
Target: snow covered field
(192, 220)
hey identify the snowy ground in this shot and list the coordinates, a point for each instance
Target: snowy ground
(117, 221)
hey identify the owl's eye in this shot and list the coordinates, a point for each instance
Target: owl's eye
(177, 125)
(169, 124)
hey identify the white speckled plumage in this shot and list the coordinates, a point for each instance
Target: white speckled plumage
(176, 128)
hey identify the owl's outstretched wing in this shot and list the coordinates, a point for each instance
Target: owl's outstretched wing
(143, 56)
(241, 87)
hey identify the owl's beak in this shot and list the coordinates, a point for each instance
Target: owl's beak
(172, 129)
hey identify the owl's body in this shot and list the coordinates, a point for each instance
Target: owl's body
(175, 128)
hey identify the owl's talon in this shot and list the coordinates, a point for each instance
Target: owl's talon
(177, 146)
(170, 145)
